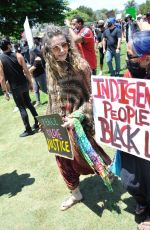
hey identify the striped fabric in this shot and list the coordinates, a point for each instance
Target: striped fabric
(66, 96)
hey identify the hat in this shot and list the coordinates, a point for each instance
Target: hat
(128, 16)
(139, 16)
(112, 20)
(101, 22)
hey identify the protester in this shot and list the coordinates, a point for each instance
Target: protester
(112, 37)
(100, 30)
(93, 29)
(69, 94)
(145, 25)
(131, 27)
(84, 39)
(37, 43)
(135, 171)
(37, 69)
(25, 52)
(148, 17)
(14, 70)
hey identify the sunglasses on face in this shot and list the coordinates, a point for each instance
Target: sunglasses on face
(58, 48)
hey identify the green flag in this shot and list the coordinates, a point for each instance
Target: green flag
(132, 11)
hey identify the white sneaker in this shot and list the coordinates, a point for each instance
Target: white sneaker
(15, 109)
(76, 197)
(100, 73)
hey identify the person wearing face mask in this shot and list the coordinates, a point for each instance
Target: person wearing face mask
(135, 171)
(138, 51)
(112, 37)
(100, 30)
(14, 70)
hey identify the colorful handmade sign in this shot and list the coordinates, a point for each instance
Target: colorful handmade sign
(56, 136)
(121, 109)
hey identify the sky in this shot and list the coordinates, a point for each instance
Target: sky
(100, 4)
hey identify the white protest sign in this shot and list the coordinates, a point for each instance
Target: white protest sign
(118, 16)
(121, 109)
(28, 33)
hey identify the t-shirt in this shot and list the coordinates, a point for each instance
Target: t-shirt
(100, 35)
(36, 59)
(87, 47)
(39, 67)
(111, 36)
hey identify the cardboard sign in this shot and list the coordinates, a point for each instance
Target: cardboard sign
(122, 114)
(56, 136)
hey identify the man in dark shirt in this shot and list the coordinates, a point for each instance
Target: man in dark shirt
(14, 70)
(37, 70)
(112, 36)
(99, 31)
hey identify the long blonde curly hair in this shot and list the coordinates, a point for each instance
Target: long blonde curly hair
(54, 68)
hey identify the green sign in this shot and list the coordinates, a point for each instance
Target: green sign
(132, 11)
(56, 136)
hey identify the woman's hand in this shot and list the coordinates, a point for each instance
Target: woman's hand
(68, 122)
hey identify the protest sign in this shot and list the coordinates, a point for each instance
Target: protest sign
(28, 33)
(56, 136)
(118, 16)
(122, 113)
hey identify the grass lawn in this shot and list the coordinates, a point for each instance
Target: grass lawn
(31, 187)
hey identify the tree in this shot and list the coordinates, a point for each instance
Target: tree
(104, 14)
(84, 12)
(73, 13)
(130, 3)
(144, 7)
(13, 13)
(88, 11)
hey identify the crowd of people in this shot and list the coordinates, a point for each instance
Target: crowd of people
(62, 66)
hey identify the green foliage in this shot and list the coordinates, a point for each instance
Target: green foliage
(144, 7)
(101, 14)
(73, 13)
(85, 12)
(130, 3)
(88, 11)
(13, 13)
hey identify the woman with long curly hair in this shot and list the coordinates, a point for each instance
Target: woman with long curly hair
(68, 80)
